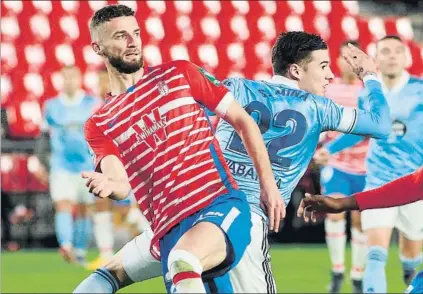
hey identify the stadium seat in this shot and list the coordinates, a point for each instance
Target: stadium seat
(38, 38)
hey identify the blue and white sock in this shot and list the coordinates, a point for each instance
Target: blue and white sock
(374, 280)
(100, 281)
(63, 222)
(409, 266)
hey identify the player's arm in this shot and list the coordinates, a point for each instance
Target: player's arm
(374, 121)
(382, 197)
(214, 96)
(109, 178)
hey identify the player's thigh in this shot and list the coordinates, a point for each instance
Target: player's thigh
(253, 274)
(134, 260)
(410, 221)
(221, 231)
(378, 224)
(62, 188)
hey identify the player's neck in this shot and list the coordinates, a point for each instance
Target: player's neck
(390, 81)
(120, 82)
(349, 79)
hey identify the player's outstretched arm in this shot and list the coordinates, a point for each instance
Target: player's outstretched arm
(315, 206)
(250, 134)
(375, 121)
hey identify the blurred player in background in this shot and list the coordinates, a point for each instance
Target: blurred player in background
(65, 117)
(344, 174)
(153, 135)
(103, 216)
(388, 159)
(383, 197)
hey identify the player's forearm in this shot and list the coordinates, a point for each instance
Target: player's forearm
(113, 168)
(253, 142)
(402, 191)
(342, 142)
(376, 122)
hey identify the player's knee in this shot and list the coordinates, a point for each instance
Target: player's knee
(63, 206)
(356, 221)
(336, 217)
(182, 261)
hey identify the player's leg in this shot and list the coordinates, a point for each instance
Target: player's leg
(63, 194)
(358, 238)
(83, 223)
(377, 225)
(253, 274)
(133, 263)
(103, 232)
(335, 184)
(410, 225)
(206, 245)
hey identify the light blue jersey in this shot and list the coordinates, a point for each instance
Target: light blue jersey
(291, 121)
(402, 152)
(65, 121)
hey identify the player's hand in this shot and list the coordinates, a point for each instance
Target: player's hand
(361, 63)
(273, 205)
(321, 156)
(98, 184)
(316, 207)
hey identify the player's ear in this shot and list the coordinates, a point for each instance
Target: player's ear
(294, 71)
(97, 49)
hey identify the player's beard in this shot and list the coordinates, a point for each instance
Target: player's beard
(123, 66)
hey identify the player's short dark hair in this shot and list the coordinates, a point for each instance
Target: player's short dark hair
(352, 42)
(109, 12)
(294, 47)
(391, 37)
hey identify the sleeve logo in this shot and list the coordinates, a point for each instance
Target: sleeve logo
(209, 76)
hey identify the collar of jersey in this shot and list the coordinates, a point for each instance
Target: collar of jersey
(398, 87)
(281, 80)
(66, 100)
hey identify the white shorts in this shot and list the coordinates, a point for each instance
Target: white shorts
(253, 274)
(408, 219)
(137, 260)
(69, 186)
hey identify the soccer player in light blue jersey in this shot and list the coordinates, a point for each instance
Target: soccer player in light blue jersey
(291, 121)
(65, 116)
(397, 155)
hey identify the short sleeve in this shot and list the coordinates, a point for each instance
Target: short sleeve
(100, 146)
(206, 89)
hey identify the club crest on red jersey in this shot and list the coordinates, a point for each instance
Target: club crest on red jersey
(163, 88)
(151, 129)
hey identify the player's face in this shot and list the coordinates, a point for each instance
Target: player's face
(316, 74)
(71, 80)
(121, 44)
(343, 66)
(390, 57)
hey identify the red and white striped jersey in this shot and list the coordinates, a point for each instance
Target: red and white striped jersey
(160, 131)
(351, 160)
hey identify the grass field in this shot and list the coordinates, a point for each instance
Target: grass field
(296, 268)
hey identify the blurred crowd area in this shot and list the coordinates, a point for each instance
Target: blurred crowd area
(227, 38)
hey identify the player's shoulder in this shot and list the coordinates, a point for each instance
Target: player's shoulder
(52, 102)
(415, 81)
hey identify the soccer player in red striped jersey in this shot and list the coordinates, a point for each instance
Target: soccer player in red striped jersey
(153, 135)
(314, 206)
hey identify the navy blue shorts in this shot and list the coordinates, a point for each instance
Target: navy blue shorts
(335, 181)
(231, 213)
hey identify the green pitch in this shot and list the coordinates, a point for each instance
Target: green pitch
(296, 268)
